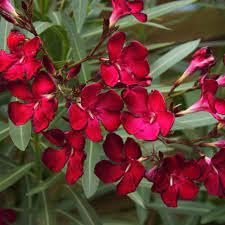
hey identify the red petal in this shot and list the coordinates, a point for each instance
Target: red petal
(170, 196)
(77, 117)
(14, 41)
(113, 147)
(115, 45)
(21, 90)
(31, 67)
(218, 160)
(132, 149)
(131, 179)
(93, 130)
(191, 170)
(15, 72)
(109, 101)
(6, 60)
(7, 216)
(20, 113)
(108, 172)
(212, 183)
(89, 94)
(43, 84)
(76, 140)
(165, 120)
(136, 6)
(134, 56)
(136, 100)
(156, 102)
(44, 113)
(110, 74)
(139, 127)
(187, 190)
(75, 166)
(220, 106)
(55, 160)
(31, 47)
(48, 64)
(55, 136)
(110, 120)
(141, 17)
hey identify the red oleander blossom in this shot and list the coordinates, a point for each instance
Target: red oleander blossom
(174, 179)
(39, 103)
(123, 165)
(213, 173)
(208, 101)
(95, 108)
(7, 216)
(202, 60)
(147, 115)
(21, 62)
(127, 65)
(123, 8)
(71, 152)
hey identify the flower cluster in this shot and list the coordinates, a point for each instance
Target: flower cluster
(118, 99)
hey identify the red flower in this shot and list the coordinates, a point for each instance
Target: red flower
(125, 166)
(71, 152)
(147, 116)
(127, 65)
(208, 101)
(7, 216)
(96, 107)
(213, 173)
(123, 8)
(202, 60)
(39, 104)
(173, 179)
(21, 63)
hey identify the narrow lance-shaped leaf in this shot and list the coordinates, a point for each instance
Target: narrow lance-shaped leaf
(89, 181)
(14, 175)
(80, 12)
(20, 135)
(172, 57)
(87, 213)
(5, 28)
(78, 47)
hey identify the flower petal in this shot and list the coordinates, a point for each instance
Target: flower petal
(110, 74)
(31, 47)
(76, 140)
(136, 100)
(108, 172)
(75, 166)
(55, 136)
(6, 60)
(20, 113)
(170, 196)
(188, 190)
(165, 120)
(77, 117)
(131, 179)
(14, 41)
(115, 45)
(113, 147)
(132, 149)
(89, 94)
(156, 102)
(93, 130)
(7, 216)
(43, 84)
(21, 90)
(55, 160)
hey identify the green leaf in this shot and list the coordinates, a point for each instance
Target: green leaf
(70, 217)
(89, 181)
(4, 130)
(80, 12)
(213, 215)
(20, 135)
(136, 197)
(194, 120)
(14, 175)
(78, 47)
(186, 208)
(172, 57)
(87, 213)
(44, 185)
(5, 28)
(47, 216)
